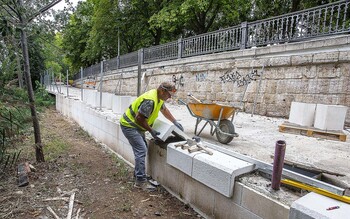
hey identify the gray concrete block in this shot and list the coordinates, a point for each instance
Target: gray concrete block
(302, 113)
(125, 102)
(330, 117)
(226, 209)
(107, 100)
(218, 171)
(116, 105)
(179, 158)
(314, 206)
(164, 127)
(257, 203)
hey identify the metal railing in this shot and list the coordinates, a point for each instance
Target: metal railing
(162, 52)
(314, 22)
(128, 60)
(217, 41)
(325, 20)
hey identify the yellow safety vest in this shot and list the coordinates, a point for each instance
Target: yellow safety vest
(128, 119)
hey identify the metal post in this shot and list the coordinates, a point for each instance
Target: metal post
(244, 34)
(67, 84)
(60, 82)
(257, 91)
(280, 150)
(81, 83)
(179, 46)
(118, 41)
(101, 81)
(139, 69)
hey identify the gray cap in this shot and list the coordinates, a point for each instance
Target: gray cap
(168, 87)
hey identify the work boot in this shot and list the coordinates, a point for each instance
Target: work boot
(145, 186)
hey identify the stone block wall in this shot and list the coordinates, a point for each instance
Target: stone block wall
(317, 71)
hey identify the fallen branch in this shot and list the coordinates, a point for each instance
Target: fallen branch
(77, 217)
(69, 193)
(71, 202)
(145, 200)
(52, 212)
(66, 199)
(57, 199)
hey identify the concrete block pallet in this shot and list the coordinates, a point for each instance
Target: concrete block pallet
(312, 132)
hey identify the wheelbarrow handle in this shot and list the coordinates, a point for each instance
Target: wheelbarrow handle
(182, 102)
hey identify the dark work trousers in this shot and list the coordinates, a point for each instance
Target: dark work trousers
(139, 146)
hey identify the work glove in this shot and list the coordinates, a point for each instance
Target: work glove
(177, 124)
(155, 134)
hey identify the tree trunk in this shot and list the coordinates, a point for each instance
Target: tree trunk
(38, 145)
(19, 70)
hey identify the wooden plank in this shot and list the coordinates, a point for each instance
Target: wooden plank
(22, 175)
(312, 132)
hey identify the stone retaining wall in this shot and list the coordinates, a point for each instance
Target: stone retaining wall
(317, 71)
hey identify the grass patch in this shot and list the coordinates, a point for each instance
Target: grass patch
(54, 149)
(123, 169)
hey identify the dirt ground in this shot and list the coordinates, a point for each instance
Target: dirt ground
(75, 163)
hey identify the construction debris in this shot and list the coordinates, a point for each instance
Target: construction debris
(71, 203)
(52, 212)
(193, 146)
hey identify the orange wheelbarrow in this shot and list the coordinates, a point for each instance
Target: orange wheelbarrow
(217, 116)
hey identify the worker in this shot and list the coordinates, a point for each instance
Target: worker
(138, 119)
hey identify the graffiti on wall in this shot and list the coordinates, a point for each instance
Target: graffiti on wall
(179, 81)
(240, 80)
(201, 76)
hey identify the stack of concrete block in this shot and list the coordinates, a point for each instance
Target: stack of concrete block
(321, 116)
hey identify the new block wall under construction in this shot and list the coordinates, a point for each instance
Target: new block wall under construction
(264, 80)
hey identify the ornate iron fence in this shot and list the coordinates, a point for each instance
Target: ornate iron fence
(127, 60)
(217, 41)
(315, 22)
(162, 52)
(111, 64)
(329, 19)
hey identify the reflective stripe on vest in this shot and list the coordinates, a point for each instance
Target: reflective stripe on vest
(130, 113)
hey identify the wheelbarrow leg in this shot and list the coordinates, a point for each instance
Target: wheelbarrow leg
(197, 123)
(218, 125)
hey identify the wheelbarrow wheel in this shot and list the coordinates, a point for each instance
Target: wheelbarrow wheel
(225, 126)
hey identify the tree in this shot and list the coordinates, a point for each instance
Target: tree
(76, 34)
(20, 15)
(200, 16)
(9, 42)
(144, 10)
(266, 8)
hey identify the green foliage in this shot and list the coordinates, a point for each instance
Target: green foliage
(75, 35)
(14, 118)
(42, 97)
(199, 16)
(100, 43)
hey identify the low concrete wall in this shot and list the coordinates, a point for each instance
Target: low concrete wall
(315, 72)
(244, 203)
